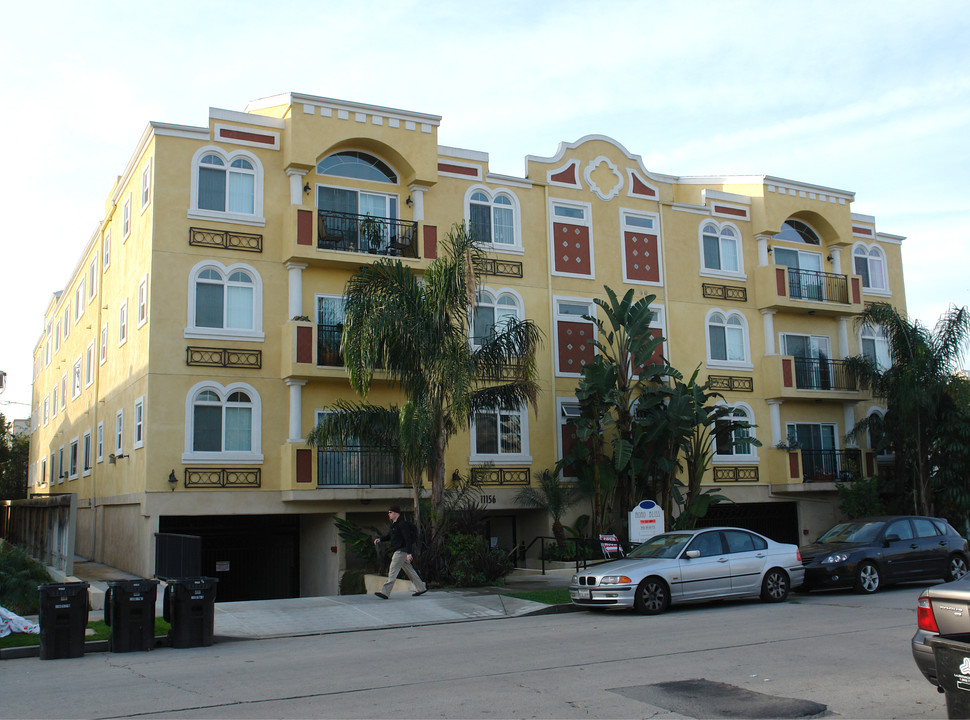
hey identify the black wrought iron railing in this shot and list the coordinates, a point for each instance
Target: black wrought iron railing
(818, 286)
(366, 233)
(831, 465)
(823, 374)
(328, 345)
(358, 466)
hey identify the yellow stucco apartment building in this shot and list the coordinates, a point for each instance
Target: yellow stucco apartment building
(181, 368)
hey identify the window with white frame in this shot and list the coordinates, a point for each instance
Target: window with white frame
(735, 446)
(66, 324)
(43, 471)
(870, 263)
(104, 344)
(63, 391)
(107, 251)
(92, 278)
(222, 424)
(500, 435)
(493, 217)
(57, 336)
(146, 185)
(357, 165)
(720, 249)
(72, 455)
(47, 409)
(89, 365)
(120, 432)
(143, 301)
(574, 335)
(139, 424)
(76, 379)
(793, 230)
(640, 251)
(123, 323)
(571, 238)
(79, 303)
(126, 220)
(61, 469)
(876, 416)
(875, 347)
(225, 301)
(86, 453)
(727, 339)
(99, 442)
(494, 311)
(568, 409)
(54, 408)
(227, 186)
(47, 346)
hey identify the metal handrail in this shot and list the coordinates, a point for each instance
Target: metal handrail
(358, 466)
(819, 286)
(823, 374)
(830, 465)
(366, 233)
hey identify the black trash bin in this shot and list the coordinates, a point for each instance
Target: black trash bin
(63, 619)
(189, 605)
(953, 671)
(129, 610)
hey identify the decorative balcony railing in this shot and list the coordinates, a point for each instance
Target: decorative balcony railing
(501, 476)
(831, 465)
(823, 374)
(734, 383)
(499, 268)
(725, 292)
(222, 477)
(328, 345)
(735, 473)
(223, 357)
(366, 233)
(818, 286)
(358, 466)
(204, 237)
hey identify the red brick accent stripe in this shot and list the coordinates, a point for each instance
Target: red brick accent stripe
(780, 284)
(737, 212)
(304, 344)
(304, 466)
(431, 241)
(247, 136)
(862, 231)
(458, 169)
(793, 465)
(304, 227)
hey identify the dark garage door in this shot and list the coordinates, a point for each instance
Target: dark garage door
(775, 520)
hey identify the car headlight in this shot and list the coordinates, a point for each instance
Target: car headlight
(574, 580)
(835, 558)
(615, 580)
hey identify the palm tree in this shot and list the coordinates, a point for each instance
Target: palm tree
(919, 388)
(554, 497)
(415, 330)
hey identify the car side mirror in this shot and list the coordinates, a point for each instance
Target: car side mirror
(693, 554)
(890, 538)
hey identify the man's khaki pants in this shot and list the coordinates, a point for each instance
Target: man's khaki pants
(399, 561)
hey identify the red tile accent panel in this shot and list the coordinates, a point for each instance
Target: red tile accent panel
(642, 256)
(862, 231)
(568, 441)
(737, 212)
(304, 227)
(780, 283)
(457, 169)
(856, 291)
(566, 176)
(793, 466)
(657, 357)
(304, 344)
(870, 464)
(573, 341)
(571, 248)
(304, 466)
(247, 136)
(640, 188)
(431, 241)
(786, 372)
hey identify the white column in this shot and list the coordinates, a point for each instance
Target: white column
(417, 197)
(296, 408)
(848, 411)
(762, 248)
(843, 349)
(768, 316)
(296, 184)
(295, 300)
(836, 255)
(774, 412)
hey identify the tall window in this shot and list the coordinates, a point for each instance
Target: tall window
(47, 409)
(126, 220)
(76, 379)
(225, 301)
(222, 423)
(104, 345)
(107, 250)
(735, 445)
(500, 435)
(89, 364)
(143, 301)
(146, 185)
(72, 471)
(875, 347)
(574, 335)
(79, 300)
(227, 184)
(870, 263)
(139, 424)
(721, 248)
(86, 453)
(119, 432)
(99, 442)
(491, 217)
(123, 323)
(726, 338)
(493, 313)
(92, 278)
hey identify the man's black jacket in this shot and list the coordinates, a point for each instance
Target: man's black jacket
(401, 536)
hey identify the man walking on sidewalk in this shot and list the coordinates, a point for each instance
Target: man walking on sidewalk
(401, 538)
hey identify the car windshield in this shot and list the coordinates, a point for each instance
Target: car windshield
(662, 546)
(853, 532)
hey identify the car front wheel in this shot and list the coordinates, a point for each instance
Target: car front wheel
(867, 578)
(653, 596)
(956, 567)
(775, 587)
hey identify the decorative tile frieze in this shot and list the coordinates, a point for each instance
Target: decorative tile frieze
(226, 239)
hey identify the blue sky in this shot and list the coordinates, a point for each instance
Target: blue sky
(872, 97)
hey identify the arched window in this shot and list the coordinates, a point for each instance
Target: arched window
(875, 347)
(492, 217)
(870, 263)
(493, 312)
(227, 186)
(225, 301)
(726, 338)
(357, 165)
(222, 423)
(720, 248)
(793, 230)
(734, 446)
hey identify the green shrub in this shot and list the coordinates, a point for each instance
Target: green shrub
(352, 583)
(20, 575)
(570, 552)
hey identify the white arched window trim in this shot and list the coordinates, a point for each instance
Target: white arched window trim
(746, 364)
(739, 274)
(523, 456)
(197, 213)
(738, 457)
(255, 334)
(492, 298)
(254, 456)
(883, 272)
(515, 248)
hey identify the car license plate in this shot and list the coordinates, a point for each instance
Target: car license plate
(582, 594)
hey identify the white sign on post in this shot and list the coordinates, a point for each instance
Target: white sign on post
(646, 520)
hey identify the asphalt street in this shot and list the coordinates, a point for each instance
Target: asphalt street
(835, 654)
